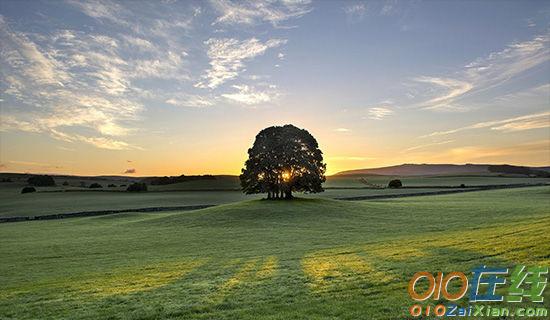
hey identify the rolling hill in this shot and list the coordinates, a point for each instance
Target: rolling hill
(409, 169)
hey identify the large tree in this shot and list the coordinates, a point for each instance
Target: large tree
(282, 160)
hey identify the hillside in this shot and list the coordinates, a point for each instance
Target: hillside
(409, 169)
(308, 259)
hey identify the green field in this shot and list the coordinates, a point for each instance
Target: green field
(43, 203)
(69, 199)
(303, 259)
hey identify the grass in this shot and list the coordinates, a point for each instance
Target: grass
(42, 203)
(202, 192)
(309, 258)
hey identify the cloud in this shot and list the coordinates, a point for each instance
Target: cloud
(537, 91)
(189, 100)
(65, 82)
(378, 113)
(35, 164)
(3, 166)
(350, 158)
(251, 96)
(342, 130)
(526, 122)
(388, 8)
(255, 12)
(452, 88)
(355, 12)
(227, 57)
(427, 145)
(494, 154)
(130, 171)
(481, 75)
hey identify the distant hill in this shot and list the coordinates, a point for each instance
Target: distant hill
(447, 169)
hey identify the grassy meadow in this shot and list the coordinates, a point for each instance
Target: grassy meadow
(304, 259)
(225, 189)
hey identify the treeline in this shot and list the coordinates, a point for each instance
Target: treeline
(175, 179)
(508, 169)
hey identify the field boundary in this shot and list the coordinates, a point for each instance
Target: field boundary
(102, 212)
(442, 192)
(203, 206)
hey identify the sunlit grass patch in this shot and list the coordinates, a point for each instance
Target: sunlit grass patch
(328, 269)
(245, 273)
(135, 279)
(268, 268)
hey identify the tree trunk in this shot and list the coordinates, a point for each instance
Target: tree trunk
(269, 195)
(288, 194)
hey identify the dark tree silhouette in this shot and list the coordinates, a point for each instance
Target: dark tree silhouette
(28, 190)
(282, 160)
(395, 184)
(41, 181)
(137, 187)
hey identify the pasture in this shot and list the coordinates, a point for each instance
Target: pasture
(309, 258)
(225, 189)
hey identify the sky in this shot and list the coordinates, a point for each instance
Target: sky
(182, 87)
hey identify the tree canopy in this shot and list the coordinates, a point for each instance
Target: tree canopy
(283, 159)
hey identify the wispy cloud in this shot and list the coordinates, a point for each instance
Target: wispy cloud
(526, 122)
(536, 91)
(35, 164)
(70, 81)
(227, 58)
(427, 145)
(189, 100)
(130, 171)
(355, 12)
(254, 12)
(350, 158)
(379, 113)
(483, 74)
(472, 154)
(252, 96)
(342, 130)
(453, 88)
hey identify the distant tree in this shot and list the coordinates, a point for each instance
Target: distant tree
(28, 190)
(65, 183)
(396, 183)
(137, 187)
(508, 169)
(183, 178)
(95, 185)
(111, 185)
(462, 185)
(282, 160)
(82, 184)
(41, 181)
(6, 180)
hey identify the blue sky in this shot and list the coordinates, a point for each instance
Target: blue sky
(171, 87)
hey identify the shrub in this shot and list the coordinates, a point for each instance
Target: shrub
(28, 190)
(65, 183)
(462, 185)
(137, 187)
(41, 181)
(112, 185)
(396, 183)
(82, 184)
(6, 180)
(95, 185)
